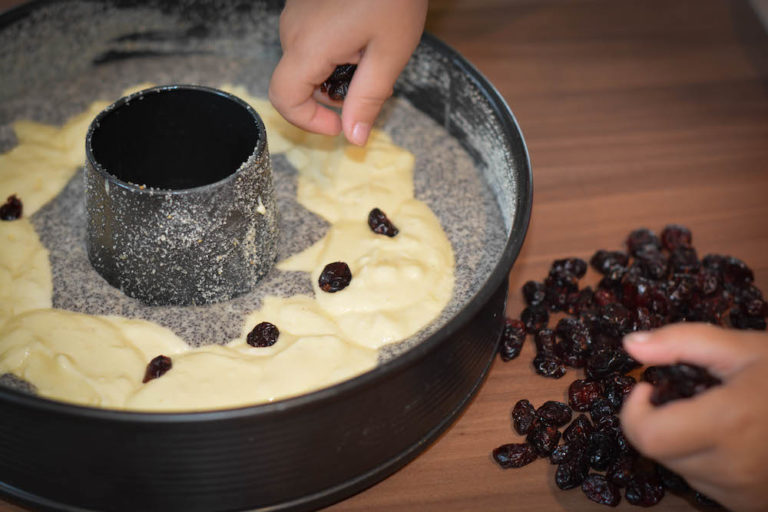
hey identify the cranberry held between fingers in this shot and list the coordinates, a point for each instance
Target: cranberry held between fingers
(380, 223)
(11, 209)
(336, 86)
(157, 367)
(264, 334)
(677, 381)
(335, 277)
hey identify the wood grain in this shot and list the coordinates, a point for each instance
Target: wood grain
(635, 114)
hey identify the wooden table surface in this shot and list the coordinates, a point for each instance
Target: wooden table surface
(636, 113)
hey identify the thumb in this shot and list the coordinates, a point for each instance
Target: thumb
(724, 352)
(370, 87)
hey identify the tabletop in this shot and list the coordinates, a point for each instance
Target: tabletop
(636, 114)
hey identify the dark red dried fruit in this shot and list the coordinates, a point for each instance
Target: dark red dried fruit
(740, 319)
(573, 266)
(583, 393)
(600, 409)
(534, 318)
(680, 381)
(674, 236)
(617, 387)
(620, 471)
(514, 455)
(554, 413)
(380, 223)
(570, 450)
(640, 239)
(684, 260)
(543, 437)
(523, 416)
(337, 85)
(644, 490)
(598, 489)
(512, 339)
(11, 209)
(548, 366)
(603, 450)
(575, 342)
(335, 277)
(545, 341)
(603, 260)
(264, 334)
(157, 368)
(571, 473)
(534, 293)
(736, 273)
(580, 428)
(671, 480)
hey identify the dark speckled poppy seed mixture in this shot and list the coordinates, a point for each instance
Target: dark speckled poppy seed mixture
(658, 281)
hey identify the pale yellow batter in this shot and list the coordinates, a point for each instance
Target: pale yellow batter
(399, 284)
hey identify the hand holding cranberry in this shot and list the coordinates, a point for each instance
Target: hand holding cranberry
(319, 35)
(718, 439)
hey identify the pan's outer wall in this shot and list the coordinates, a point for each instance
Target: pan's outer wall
(298, 458)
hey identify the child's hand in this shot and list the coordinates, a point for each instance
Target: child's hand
(318, 35)
(717, 440)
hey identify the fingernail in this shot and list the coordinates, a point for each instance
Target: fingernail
(360, 133)
(637, 337)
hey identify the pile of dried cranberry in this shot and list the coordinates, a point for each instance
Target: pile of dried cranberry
(658, 281)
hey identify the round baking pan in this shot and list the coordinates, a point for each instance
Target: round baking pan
(299, 453)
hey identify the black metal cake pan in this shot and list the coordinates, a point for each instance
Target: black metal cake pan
(299, 453)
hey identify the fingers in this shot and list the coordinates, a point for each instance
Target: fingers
(370, 87)
(291, 91)
(716, 349)
(676, 429)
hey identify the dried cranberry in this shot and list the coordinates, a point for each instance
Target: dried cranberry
(640, 239)
(583, 393)
(534, 293)
(707, 281)
(545, 341)
(598, 489)
(684, 260)
(603, 260)
(512, 339)
(736, 273)
(514, 455)
(11, 209)
(571, 473)
(671, 480)
(157, 368)
(543, 437)
(740, 319)
(548, 366)
(523, 416)
(337, 85)
(554, 413)
(602, 450)
(574, 266)
(580, 301)
(680, 381)
(675, 235)
(534, 318)
(603, 297)
(620, 471)
(600, 409)
(574, 342)
(569, 450)
(335, 277)
(604, 362)
(580, 428)
(651, 263)
(617, 387)
(380, 223)
(644, 490)
(264, 334)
